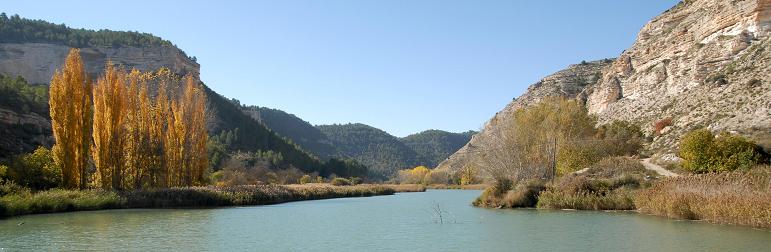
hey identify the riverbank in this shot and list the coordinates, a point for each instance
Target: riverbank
(22, 201)
(742, 197)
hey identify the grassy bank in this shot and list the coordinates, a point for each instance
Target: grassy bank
(406, 187)
(740, 197)
(22, 201)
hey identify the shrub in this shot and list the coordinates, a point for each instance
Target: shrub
(702, 152)
(436, 177)
(319, 179)
(739, 197)
(413, 176)
(621, 138)
(36, 170)
(584, 193)
(525, 194)
(355, 180)
(613, 167)
(305, 179)
(661, 124)
(340, 182)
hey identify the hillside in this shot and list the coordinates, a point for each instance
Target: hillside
(380, 151)
(434, 146)
(703, 63)
(294, 128)
(34, 49)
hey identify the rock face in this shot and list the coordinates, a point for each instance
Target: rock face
(37, 62)
(20, 133)
(703, 63)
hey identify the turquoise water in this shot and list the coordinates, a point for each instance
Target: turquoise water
(402, 222)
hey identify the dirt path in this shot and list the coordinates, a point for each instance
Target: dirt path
(660, 170)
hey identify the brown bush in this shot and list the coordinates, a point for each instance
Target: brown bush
(661, 124)
(739, 197)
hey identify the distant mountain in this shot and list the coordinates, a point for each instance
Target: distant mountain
(434, 146)
(380, 151)
(297, 130)
(383, 153)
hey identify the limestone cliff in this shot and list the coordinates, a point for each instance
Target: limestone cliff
(703, 63)
(37, 62)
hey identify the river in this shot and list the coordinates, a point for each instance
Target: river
(401, 222)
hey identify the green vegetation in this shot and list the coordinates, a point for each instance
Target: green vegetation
(21, 30)
(704, 152)
(340, 182)
(59, 200)
(378, 150)
(36, 170)
(608, 185)
(295, 129)
(740, 197)
(21, 97)
(56, 200)
(434, 146)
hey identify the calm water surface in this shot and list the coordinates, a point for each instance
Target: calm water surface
(403, 222)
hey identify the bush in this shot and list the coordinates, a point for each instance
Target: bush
(305, 179)
(525, 194)
(36, 170)
(340, 182)
(584, 193)
(702, 152)
(660, 125)
(613, 167)
(413, 176)
(356, 180)
(436, 177)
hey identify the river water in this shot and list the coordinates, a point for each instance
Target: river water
(402, 222)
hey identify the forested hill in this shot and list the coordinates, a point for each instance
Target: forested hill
(294, 128)
(380, 151)
(434, 146)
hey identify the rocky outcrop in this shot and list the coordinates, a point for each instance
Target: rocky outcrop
(23, 132)
(703, 63)
(37, 62)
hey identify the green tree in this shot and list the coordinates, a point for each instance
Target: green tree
(703, 152)
(36, 170)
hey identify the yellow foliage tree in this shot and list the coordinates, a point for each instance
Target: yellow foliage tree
(110, 111)
(70, 109)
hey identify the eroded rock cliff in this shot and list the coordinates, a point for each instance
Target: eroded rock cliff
(703, 63)
(37, 62)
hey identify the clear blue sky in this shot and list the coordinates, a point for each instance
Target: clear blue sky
(401, 65)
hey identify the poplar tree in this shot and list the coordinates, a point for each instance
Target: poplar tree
(70, 109)
(110, 111)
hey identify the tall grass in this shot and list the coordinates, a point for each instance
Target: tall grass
(58, 200)
(739, 197)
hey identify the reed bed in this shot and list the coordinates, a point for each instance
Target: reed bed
(59, 200)
(459, 187)
(400, 188)
(739, 197)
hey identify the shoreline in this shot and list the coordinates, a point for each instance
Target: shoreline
(61, 201)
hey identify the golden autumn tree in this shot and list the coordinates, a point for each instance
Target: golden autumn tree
(110, 111)
(139, 155)
(70, 109)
